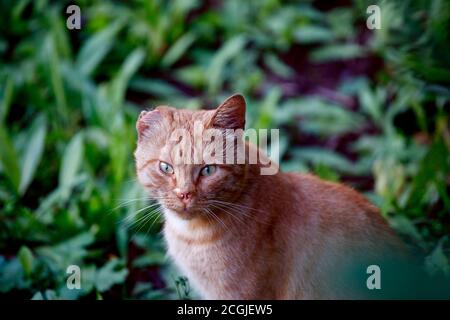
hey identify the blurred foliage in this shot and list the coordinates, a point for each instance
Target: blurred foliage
(366, 108)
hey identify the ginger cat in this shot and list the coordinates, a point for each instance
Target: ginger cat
(237, 234)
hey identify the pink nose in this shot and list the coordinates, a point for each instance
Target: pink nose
(185, 196)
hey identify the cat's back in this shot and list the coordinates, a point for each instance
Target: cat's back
(332, 229)
(336, 212)
(329, 198)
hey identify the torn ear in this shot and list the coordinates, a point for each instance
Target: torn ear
(147, 121)
(230, 114)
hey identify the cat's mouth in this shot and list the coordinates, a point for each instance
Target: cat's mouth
(183, 210)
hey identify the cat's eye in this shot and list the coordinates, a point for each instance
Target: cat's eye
(208, 170)
(165, 167)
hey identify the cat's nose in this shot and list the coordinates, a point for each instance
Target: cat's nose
(184, 196)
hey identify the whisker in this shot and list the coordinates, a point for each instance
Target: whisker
(240, 206)
(237, 209)
(147, 218)
(218, 219)
(128, 201)
(235, 215)
(234, 209)
(140, 219)
(157, 217)
(209, 214)
(131, 216)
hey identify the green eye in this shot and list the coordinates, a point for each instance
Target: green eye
(165, 167)
(208, 170)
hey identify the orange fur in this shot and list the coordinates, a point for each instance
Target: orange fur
(276, 236)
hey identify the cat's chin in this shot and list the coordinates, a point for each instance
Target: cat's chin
(182, 213)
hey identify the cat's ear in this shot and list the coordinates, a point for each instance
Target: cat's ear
(147, 122)
(230, 114)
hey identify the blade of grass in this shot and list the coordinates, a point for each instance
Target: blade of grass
(336, 52)
(9, 159)
(57, 81)
(128, 69)
(8, 93)
(33, 153)
(96, 48)
(230, 49)
(178, 49)
(71, 161)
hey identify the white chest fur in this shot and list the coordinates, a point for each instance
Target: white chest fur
(207, 264)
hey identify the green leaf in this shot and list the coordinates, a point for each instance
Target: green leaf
(122, 239)
(128, 69)
(437, 261)
(96, 48)
(405, 226)
(433, 169)
(11, 275)
(372, 102)
(33, 153)
(9, 159)
(327, 158)
(178, 49)
(70, 251)
(150, 259)
(71, 161)
(313, 34)
(215, 71)
(88, 278)
(113, 272)
(336, 52)
(325, 173)
(156, 87)
(320, 117)
(45, 295)
(18, 8)
(60, 34)
(277, 66)
(26, 260)
(267, 109)
(341, 21)
(193, 75)
(6, 99)
(57, 80)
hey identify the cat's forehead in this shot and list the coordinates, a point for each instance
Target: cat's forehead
(183, 117)
(170, 123)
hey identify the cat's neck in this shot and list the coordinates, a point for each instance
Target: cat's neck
(195, 230)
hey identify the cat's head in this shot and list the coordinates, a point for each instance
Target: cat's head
(171, 152)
